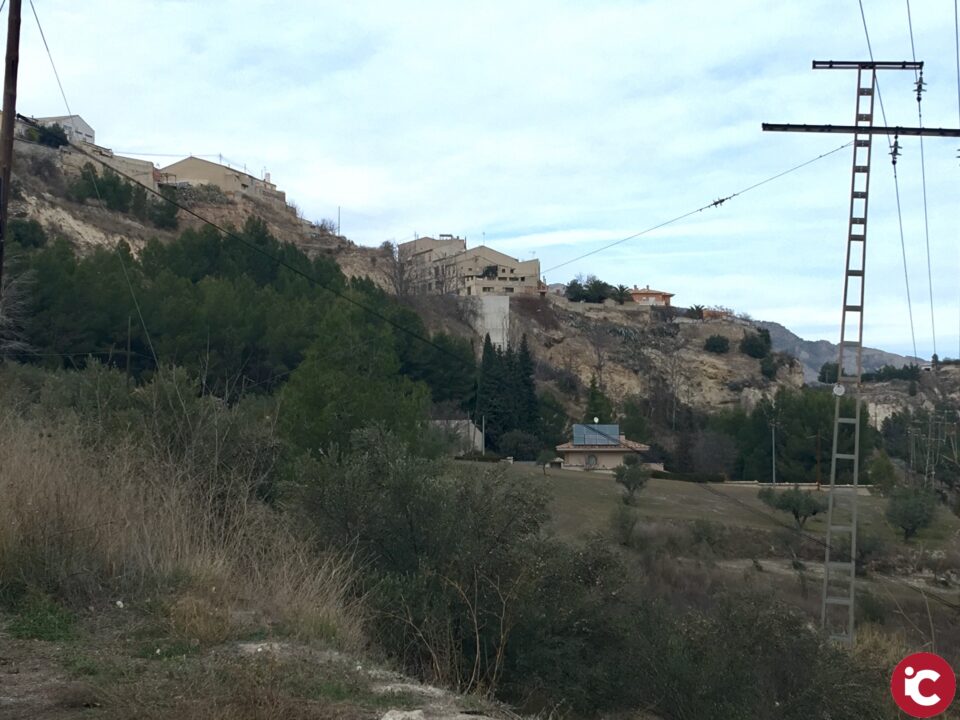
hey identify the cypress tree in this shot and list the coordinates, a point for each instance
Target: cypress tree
(529, 410)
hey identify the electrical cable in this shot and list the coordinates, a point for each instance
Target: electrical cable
(49, 55)
(923, 175)
(714, 204)
(896, 184)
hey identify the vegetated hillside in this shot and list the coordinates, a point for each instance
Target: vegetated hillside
(812, 354)
(653, 355)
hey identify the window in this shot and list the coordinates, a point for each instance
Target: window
(509, 289)
(488, 289)
(591, 461)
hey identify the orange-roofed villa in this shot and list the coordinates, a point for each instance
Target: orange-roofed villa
(646, 296)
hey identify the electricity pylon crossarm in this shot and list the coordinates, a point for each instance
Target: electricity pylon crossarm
(839, 571)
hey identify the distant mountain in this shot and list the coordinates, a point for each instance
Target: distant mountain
(814, 353)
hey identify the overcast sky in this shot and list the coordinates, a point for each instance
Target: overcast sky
(551, 129)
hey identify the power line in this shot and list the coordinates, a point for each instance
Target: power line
(714, 204)
(923, 175)
(894, 150)
(906, 277)
(52, 64)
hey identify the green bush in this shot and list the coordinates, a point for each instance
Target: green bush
(519, 445)
(717, 344)
(768, 367)
(911, 510)
(27, 233)
(632, 477)
(756, 345)
(802, 505)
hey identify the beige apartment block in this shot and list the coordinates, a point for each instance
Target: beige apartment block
(445, 265)
(197, 171)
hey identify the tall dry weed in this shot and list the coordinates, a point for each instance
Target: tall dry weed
(121, 520)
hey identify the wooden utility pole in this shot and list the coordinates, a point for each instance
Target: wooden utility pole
(839, 580)
(9, 121)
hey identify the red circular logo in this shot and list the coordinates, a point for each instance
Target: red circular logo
(923, 685)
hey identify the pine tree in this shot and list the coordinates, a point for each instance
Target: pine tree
(529, 409)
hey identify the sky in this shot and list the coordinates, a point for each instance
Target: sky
(550, 129)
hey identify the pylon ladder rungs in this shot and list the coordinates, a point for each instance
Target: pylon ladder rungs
(840, 528)
(847, 421)
(845, 456)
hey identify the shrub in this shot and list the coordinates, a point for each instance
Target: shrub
(519, 445)
(27, 233)
(756, 345)
(53, 136)
(882, 474)
(911, 510)
(623, 522)
(802, 505)
(632, 477)
(768, 367)
(717, 344)
(545, 458)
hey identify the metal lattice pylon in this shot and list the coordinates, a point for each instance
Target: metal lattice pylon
(839, 574)
(839, 579)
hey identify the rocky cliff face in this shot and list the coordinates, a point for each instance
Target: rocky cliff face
(644, 353)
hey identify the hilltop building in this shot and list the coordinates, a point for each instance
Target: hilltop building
(76, 128)
(445, 265)
(197, 171)
(646, 296)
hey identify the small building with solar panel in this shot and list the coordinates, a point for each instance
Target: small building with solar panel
(597, 447)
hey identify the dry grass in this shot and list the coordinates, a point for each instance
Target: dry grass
(117, 523)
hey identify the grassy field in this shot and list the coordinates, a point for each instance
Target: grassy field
(582, 503)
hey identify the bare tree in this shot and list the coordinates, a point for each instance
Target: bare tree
(399, 270)
(600, 342)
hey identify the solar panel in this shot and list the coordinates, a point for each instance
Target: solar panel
(596, 434)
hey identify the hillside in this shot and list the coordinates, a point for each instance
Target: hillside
(812, 354)
(226, 498)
